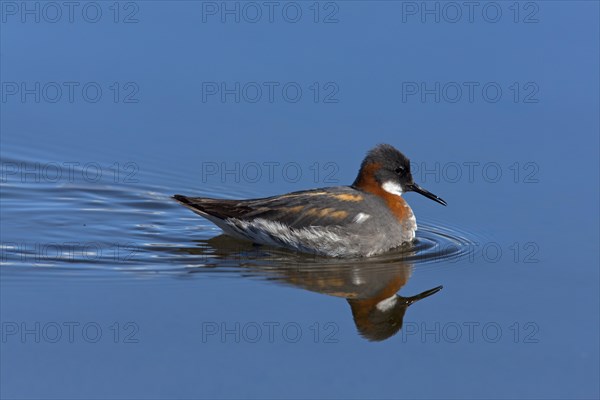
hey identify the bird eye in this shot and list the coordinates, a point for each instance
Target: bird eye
(400, 170)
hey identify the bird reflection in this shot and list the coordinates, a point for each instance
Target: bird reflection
(369, 286)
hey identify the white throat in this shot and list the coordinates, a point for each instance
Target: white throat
(387, 304)
(392, 187)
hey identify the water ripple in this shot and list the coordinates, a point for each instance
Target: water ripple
(85, 228)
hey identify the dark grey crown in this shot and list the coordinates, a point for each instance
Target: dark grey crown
(394, 165)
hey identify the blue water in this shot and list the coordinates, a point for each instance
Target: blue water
(109, 289)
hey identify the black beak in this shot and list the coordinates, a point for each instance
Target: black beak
(421, 296)
(416, 188)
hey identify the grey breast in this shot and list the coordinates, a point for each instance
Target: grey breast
(375, 228)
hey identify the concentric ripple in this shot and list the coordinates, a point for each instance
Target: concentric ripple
(80, 228)
(433, 244)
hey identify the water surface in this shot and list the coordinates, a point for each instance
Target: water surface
(110, 289)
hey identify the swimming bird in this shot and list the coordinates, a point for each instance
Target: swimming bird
(366, 218)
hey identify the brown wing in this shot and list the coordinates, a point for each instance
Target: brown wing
(220, 208)
(334, 206)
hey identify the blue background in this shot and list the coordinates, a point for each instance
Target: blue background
(171, 132)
